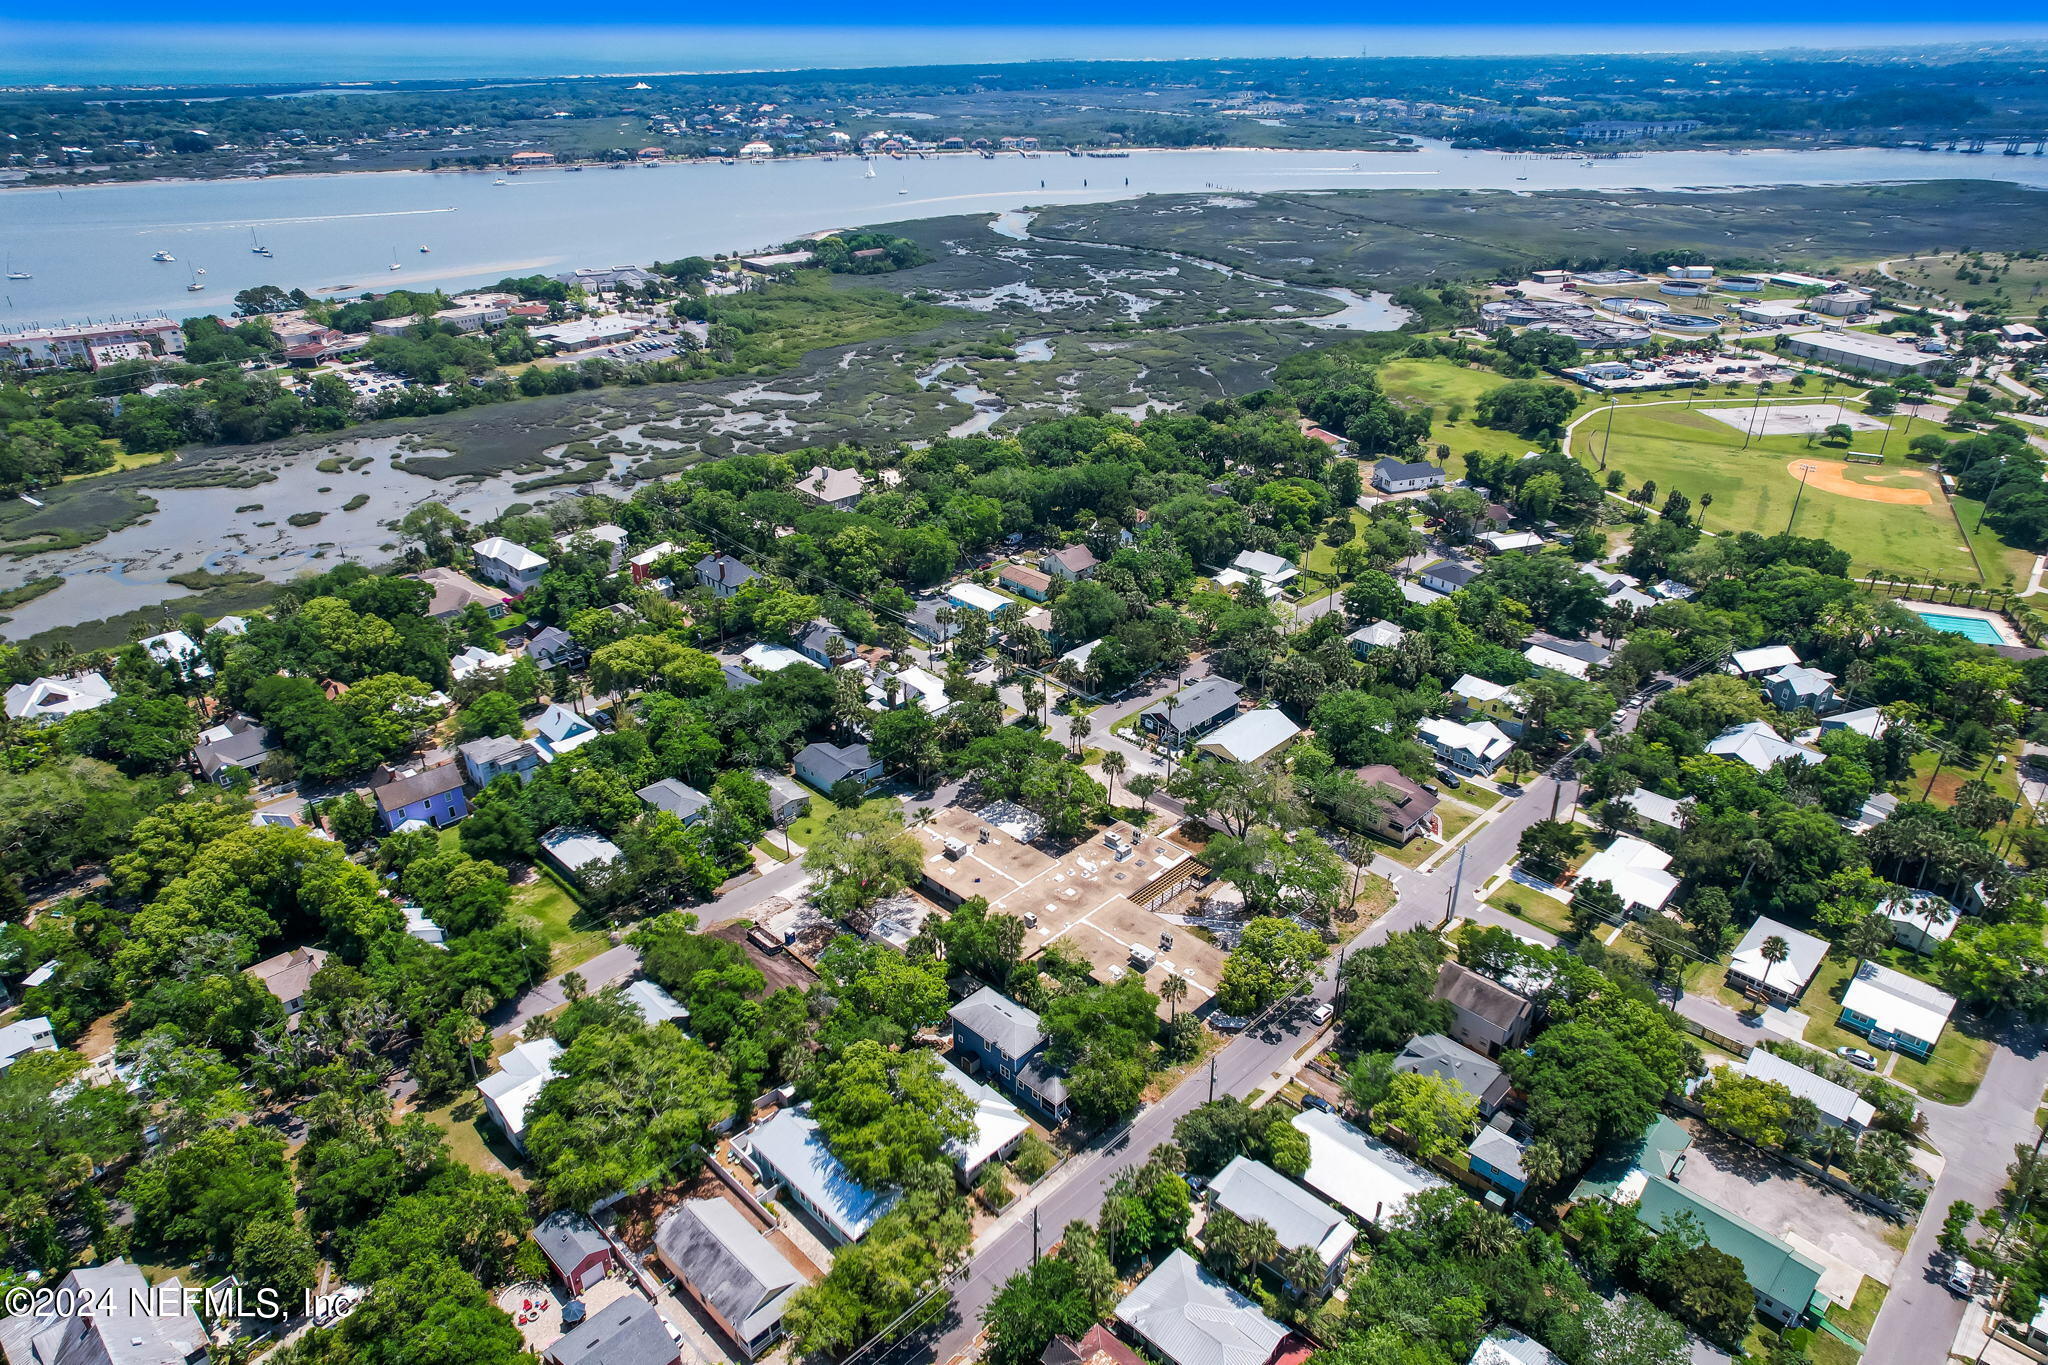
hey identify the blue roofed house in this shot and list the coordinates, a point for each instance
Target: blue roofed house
(558, 731)
(787, 1149)
(824, 766)
(1005, 1039)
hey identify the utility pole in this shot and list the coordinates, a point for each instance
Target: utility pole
(1212, 1080)
(1457, 883)
(1609, 434)
(1034, 1235)
(1804, 471)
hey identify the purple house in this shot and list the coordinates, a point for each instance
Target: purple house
(434, 795)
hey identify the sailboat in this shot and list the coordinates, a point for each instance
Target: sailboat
(195, 286)
(870, 175)
(394, 259)
(256, 246)
(14, 274)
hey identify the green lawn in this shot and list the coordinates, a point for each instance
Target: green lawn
(1438, 384)
(1515, 899)
(474, 1137)
(809, 827)
(547, 900)
(1322, 556)
(1950, 1076)
(1859, 1317)
(1684, 448)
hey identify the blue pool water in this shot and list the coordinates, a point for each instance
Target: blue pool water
(1969, 627)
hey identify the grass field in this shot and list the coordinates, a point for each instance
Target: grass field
(807, 828)
(2002, 283)
(1891, 516)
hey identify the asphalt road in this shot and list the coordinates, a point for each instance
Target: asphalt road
(1245, 1064)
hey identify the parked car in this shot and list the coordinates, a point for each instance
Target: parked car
(1856, 1056)
(1315, 1101)
(1962, 1279)
(1449, 778)
(1322, 1013)
(1228, 1023)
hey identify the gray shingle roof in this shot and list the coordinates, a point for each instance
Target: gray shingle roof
(709, 1244)
(999, 1021)
(677, 798)
(1435, 1055)
(404, 791)
(1192, 1318)
(1195, 706)
(829, 764)
(568, 1238)
(627, 1331)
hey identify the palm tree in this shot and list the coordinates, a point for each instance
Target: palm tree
(1032, 694)
(1173, 990)
(1078, 730)
(1113, 767)
(1868, 936)
(1774, 951)
(1706, 501)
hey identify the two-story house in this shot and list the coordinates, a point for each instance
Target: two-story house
(1005, 1039)
(508, 564)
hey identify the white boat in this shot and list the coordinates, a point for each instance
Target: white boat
(870, 175)
(14, 274)
(425, 249)
(163, 256)
(256, 247)
(501, 181)
(394, 260)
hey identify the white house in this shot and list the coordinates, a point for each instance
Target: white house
(1405, 476)
(176, 649)
(1252, 737)
(1784, 981)
(1476, 748)
(1751, 663)
(1761, 747)
(511, 1090)
(1356, 1171)
(1376, 635)
(578, 851)
(1920, 920)
(508, 564)
(51, 699)
(1635, 870)
(1269, 569)
(613, 538)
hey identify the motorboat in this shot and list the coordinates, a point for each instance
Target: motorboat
(163, 256)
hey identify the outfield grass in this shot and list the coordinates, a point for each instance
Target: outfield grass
(1755, 489)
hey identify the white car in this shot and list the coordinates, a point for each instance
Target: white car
(1322, 1013)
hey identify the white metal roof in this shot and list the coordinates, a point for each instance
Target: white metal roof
(1791, 975)
(1356, 1170)
(1899, 1003)
(1768, 659)
(1635, 870)
(1252, 735)
(510, 553)
(1832, 1098)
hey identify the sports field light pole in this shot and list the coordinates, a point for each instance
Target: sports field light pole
(1755, 409)
(1608, 436)
(1804, 471)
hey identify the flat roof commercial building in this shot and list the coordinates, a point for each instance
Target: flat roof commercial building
(1860, 351)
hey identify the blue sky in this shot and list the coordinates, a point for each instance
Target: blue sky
(129, 40)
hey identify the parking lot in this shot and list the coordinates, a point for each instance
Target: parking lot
(1847, 1239)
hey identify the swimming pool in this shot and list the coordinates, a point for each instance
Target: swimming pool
(1969, 627)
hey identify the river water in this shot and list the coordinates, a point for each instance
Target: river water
(88, 249)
